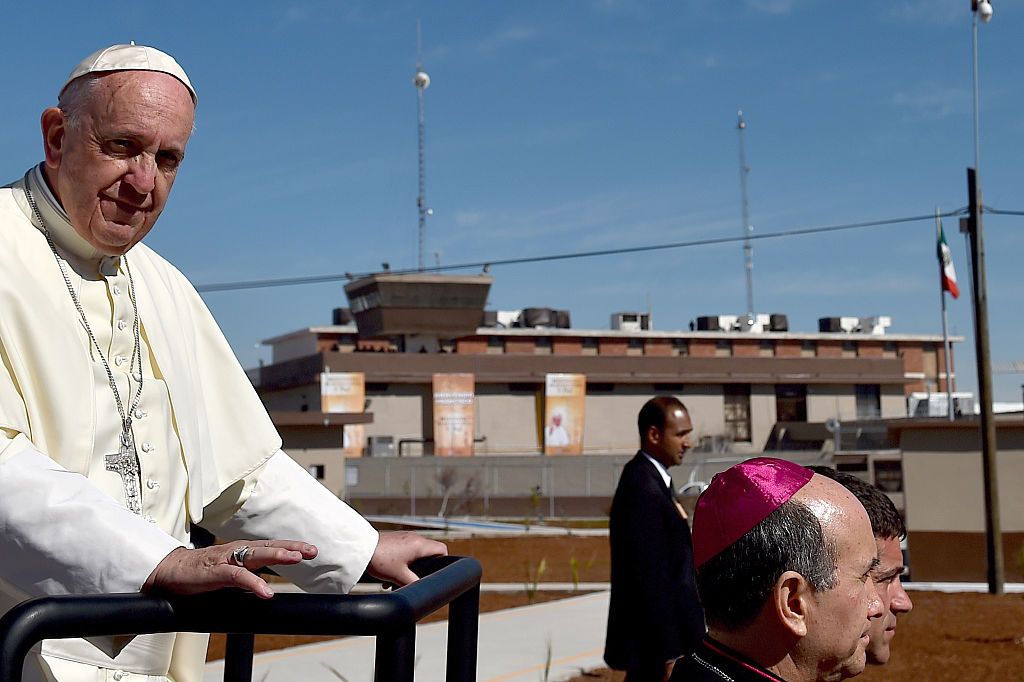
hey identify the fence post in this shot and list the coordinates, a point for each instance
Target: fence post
(395, 660)
(551, 491)
(412, 489)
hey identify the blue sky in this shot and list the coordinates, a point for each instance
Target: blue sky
(568, 126)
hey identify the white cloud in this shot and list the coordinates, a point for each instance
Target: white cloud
(930, 11)
(512, 35)
(932, 102)
(468, 218)
(841, 282)
(772, 6)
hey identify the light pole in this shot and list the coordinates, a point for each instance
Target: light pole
(993, 533)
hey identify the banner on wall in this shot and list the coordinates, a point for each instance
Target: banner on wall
(565, 398)
(454, 415)
(345, 392)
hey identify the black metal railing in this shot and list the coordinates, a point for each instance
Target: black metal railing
(390, 617)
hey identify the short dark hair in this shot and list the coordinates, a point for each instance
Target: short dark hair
(735, 583)
(655, 413)
(886, 522)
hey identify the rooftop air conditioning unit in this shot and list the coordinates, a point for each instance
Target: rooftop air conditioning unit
(709, 323)
(631, 322)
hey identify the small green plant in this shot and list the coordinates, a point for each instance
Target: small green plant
(533, 578)
(574, 568)
(333, 672)
(535, 502)
(546, 674)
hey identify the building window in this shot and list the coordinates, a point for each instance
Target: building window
(316, 471)
(495, 345)
(737, 412)
(791, 402)
(808, 349)
(635, 346)
(889, 475)
(723, 347)
(588, 346)
(543, 346)
(599, 387)
(889, 349)
(767, 348)
(680, 347)
(675, 389)
(849, 349)
(869, 401)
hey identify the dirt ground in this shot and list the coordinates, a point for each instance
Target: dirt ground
(946, 638)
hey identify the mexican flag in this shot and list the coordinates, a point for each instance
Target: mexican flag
(946, 263)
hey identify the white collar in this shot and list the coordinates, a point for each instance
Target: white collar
(58, 225)
(661, 469)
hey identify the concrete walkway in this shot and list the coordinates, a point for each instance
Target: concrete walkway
(514, 646)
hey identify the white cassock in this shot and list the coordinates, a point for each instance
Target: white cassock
(557, 436)
(209, 454)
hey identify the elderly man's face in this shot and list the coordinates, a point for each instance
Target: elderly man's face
(895, 600)
(113, 171)
(838, 627)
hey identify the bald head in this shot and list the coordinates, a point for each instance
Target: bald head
(834, 625)
(791, 588)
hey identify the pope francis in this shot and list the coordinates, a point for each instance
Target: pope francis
(125, 420)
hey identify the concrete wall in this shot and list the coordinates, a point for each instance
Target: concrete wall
(508, 420)
(293, 399)
(762, 417)
(944, 498)
(507, 417)
(894, 402)
(331, 459)
(827, 400)
(404, 411)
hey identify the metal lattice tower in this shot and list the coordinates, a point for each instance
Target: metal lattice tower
(422, 81)
(748, 229)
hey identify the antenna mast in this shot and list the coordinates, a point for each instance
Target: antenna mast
(422, 81)
(748, 229)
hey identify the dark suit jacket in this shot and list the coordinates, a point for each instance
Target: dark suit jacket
(655, 614)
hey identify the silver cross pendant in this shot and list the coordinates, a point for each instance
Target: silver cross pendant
(126, 464)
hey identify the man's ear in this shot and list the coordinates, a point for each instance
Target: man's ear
(54, 126)
(791, 598)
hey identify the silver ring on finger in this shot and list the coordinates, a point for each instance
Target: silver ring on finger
(240, 554)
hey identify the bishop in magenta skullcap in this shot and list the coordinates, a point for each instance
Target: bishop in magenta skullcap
(739, 498)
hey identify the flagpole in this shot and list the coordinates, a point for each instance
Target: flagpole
(945, 317)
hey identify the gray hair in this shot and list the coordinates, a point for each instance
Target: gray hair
(74, 100)
(735, 584)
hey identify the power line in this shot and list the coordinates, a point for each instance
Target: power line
(996, 211)
(320, 279)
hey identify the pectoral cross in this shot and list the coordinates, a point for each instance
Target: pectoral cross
(126, 464)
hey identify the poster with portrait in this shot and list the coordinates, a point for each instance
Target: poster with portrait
(565, 398)
(345, 392)
(454, 414)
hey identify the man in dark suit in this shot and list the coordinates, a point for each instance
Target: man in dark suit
(654, 616)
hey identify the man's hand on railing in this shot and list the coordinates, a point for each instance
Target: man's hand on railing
(396, 550)
(192, 571)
